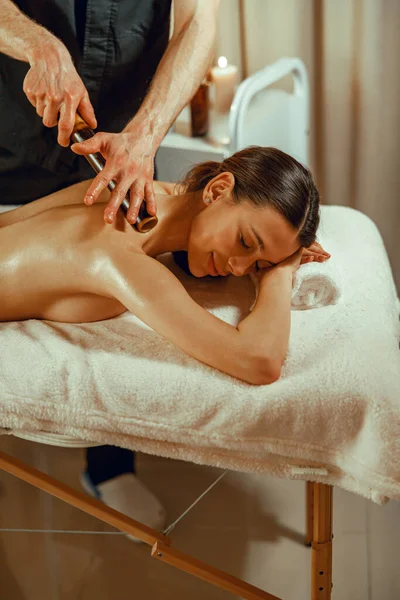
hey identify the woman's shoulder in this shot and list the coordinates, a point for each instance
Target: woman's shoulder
(163, 187)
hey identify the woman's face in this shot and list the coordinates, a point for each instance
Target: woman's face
(237, 239)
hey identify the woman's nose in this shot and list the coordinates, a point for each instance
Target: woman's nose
(239, 265)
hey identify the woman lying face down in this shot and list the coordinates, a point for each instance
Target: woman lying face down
(253, 213)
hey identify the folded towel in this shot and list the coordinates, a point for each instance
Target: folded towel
(315, 285)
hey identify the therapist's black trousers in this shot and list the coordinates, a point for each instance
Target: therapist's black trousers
(106, 462)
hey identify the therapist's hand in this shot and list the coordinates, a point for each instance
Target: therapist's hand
(130, 163)
(55, 89)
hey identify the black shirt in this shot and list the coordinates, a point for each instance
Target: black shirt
(116, 46)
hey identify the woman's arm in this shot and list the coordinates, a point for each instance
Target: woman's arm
(269, 321)
(152, 293)
(70, 195)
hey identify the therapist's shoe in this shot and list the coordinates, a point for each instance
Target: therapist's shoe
(127, 494)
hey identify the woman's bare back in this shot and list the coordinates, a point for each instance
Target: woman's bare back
(60, 261)
(62, 279)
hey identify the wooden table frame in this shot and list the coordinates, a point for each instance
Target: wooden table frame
(319, 514)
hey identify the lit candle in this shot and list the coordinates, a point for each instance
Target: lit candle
(225, 80)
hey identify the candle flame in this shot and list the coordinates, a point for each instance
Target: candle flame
(222, 62)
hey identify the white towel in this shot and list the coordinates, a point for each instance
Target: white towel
(335, 408)
(315, 285)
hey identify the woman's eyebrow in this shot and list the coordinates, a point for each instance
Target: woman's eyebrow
(261, 245)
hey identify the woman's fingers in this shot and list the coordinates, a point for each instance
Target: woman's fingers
(316, 248)
(311, 252)
(320, 257)
(307, 259)
(314, 257)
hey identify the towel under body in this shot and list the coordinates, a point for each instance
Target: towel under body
(336, 404)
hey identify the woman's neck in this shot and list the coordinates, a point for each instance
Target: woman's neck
(175, 215)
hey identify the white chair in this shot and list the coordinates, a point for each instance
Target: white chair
(267, 116)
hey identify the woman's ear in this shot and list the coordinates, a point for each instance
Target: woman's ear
(223, 183)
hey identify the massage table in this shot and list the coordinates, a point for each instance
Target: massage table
(332, 419)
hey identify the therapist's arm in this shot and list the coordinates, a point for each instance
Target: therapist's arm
(130, 154)
(52, 84)
(181, 70)
(19, 35)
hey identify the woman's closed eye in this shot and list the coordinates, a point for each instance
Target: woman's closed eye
(256, 266)
(243, 243)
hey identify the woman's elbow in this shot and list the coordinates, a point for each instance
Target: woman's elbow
(264, 372)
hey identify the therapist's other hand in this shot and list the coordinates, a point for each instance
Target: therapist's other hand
(130, 163)
(55, 89)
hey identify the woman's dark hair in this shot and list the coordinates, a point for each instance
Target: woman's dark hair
(264, 177)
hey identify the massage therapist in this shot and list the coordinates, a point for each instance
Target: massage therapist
(113, 63)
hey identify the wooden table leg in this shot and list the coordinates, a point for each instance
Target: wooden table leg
(309, 513)
(159, 542)
(321, 557)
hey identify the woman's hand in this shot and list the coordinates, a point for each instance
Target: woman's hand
(302, 256)
(130, 163)
(55, 89)
(291, 263)
(314, 252)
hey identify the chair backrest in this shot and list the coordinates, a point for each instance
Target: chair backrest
(259, 115)
(272, 117)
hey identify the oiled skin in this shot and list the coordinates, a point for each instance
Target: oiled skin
(67, 278)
